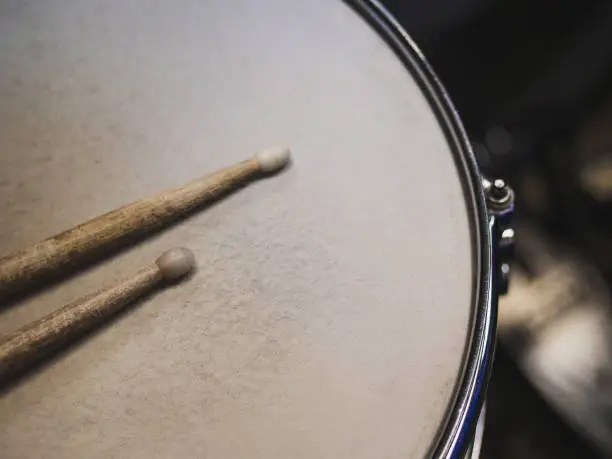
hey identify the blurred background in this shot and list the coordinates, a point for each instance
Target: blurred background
(532, 81)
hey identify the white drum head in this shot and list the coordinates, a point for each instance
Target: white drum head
(332, 307)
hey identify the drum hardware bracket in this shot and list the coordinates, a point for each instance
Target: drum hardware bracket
(500, 196)
(500, 205)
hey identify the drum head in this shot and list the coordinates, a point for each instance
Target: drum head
(333, 306)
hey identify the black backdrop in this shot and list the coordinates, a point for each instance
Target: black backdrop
(532, 67)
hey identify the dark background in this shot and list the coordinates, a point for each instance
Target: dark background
(540, 73)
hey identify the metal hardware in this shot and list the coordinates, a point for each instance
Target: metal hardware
(500, 204)
(457, 433)
(500, 196)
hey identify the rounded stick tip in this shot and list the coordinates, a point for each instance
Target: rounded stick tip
(176, 263)
(273, 159)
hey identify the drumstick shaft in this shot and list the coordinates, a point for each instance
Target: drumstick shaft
(69, 247)
(34, 341)
(40, 338)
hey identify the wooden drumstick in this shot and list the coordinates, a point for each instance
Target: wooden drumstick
(40, 338)
(69, 247)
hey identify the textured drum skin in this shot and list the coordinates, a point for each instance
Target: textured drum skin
(331, 309)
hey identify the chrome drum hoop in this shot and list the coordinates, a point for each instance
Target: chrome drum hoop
(457, 434)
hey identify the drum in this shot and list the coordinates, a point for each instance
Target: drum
(344, 308)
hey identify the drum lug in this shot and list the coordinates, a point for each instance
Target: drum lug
(500, 197)
(500, 205)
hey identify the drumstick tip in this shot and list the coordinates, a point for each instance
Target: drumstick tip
(273, 159)
(176, 263)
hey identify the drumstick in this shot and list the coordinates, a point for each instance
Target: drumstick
(69, 247)
(40, 338)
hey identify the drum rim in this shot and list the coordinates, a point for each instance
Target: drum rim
(457, 430)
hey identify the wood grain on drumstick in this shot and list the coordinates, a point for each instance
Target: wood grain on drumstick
(40, 338)
(67, 248)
